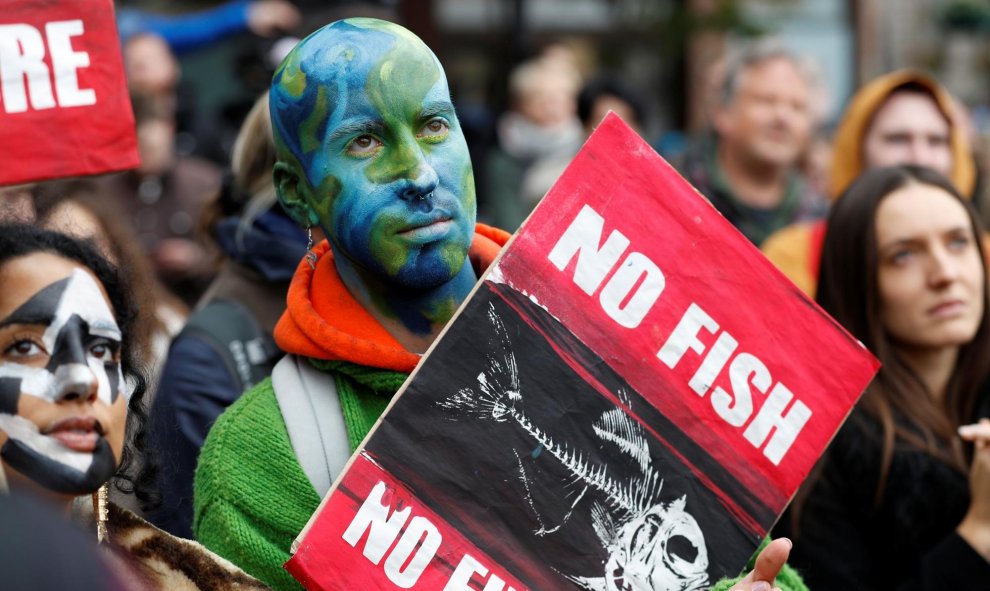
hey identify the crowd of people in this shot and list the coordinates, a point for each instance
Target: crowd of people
(205, 393)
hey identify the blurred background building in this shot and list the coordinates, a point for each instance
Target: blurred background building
(668, 50)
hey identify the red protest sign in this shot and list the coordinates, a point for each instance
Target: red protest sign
(418, 550)
(64, 108)
(628, 400)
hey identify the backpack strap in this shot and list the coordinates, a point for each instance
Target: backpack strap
(248, 352)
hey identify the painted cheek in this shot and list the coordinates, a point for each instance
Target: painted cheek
(10, 393)
(351, 218)
(390, 253)
(325, 197)
(36, 382)
(107, 379)
(468, 196)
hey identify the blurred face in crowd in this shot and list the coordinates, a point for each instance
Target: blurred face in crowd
(61, 413)
(550, 98)
(156, 145)
(370, 150)
(909, 129)
(930, 275)
(149, 65)
(768, 121)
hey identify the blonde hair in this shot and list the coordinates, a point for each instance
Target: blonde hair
(252, 161)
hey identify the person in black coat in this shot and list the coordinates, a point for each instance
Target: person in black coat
(900, 500)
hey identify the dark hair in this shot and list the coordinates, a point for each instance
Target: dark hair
(609, 85)
(17, 240)
(754, 54)
(847, 289)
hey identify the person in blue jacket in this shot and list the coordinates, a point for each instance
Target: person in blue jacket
(186, 32)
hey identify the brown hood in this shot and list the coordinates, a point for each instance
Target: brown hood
(847, 154)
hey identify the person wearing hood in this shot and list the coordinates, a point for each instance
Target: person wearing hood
(226, 347)
(369, 149)
(904, 117)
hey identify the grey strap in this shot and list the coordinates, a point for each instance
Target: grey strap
(308, 400)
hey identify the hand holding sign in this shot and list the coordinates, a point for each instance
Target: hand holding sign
(768, 565)
(975, 528)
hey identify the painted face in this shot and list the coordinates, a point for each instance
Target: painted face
(909, 129)
(60, 375)
(387, 170)
(930, 276)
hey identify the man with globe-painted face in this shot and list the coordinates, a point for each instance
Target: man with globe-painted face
(372, 152)
(369, 151)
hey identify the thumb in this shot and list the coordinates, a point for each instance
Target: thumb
(771, 560)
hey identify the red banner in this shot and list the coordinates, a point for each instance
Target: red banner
(628, 400)
(64, 108)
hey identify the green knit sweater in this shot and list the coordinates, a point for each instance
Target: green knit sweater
(252, 497)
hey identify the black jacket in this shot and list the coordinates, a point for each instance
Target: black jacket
(845, 540)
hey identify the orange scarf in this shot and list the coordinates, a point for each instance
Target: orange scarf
(324, 321)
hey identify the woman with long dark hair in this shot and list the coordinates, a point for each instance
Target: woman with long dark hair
(900, 500)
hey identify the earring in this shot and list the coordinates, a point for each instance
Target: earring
(310, 255)
(100, 512)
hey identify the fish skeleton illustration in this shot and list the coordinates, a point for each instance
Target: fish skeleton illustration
(651, 545)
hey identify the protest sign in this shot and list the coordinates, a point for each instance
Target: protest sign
(64, 108)
(628, 401)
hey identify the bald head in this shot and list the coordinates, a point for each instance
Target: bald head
(341, 68)
(369, 146)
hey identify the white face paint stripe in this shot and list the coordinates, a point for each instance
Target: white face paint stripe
(82, 296)
(99, 369)
(41, 383)
(36, 381)
(23, 430)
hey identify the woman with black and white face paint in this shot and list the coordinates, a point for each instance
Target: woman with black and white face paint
(60, 379)
(63, 404)
(68, 387)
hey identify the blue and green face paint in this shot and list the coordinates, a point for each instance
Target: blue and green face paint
(361, 110)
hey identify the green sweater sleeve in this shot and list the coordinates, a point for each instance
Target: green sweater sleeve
(251, 495)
